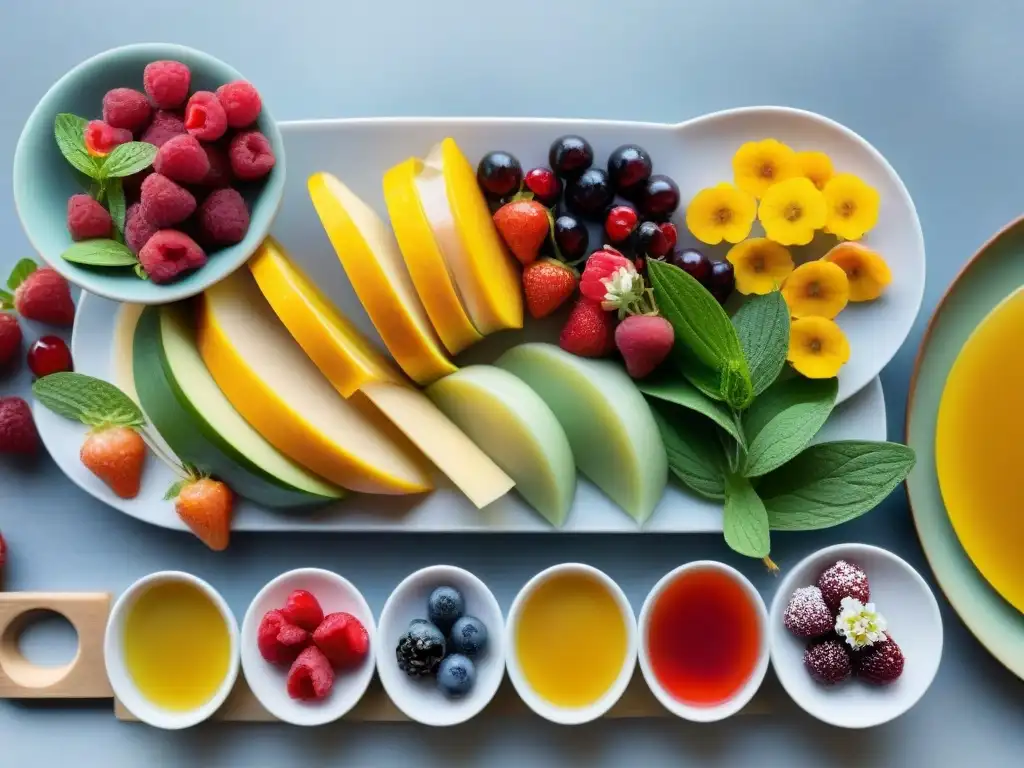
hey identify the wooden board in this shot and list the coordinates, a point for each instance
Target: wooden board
(84, 677)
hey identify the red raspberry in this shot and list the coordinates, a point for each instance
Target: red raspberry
(137, 230)
(164, 203)
(806, 615)
(87, 219)
(204, 116)
(168, 253)
(17, 430)
(303, 609)
(251, 155)
(46, 297)
(182, 159)
(10, 338)
(165, 126)
(126, 108)
(166, 83)
(219, 174)
(844, 580)
(671, 234)
(100, 138)
(311, 677)
(827, 661)
(343, 639)
(223, 218)
(881, 663)
(620, 223)
(280, 642)
(241, 102)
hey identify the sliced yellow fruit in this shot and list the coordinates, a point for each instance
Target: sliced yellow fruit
(487, 275)
(425, 249)
(279, 391)
(371, 258)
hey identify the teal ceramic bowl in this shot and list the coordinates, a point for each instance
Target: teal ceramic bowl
(44, 180)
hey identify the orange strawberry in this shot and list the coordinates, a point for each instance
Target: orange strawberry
(523, 225)
(547, 283)
(115, 455)
(589, 331)
(205, 506)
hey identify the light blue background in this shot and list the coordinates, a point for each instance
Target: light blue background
(936, 86)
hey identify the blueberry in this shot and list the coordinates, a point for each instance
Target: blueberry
(499, 174)
(456, 675)
(468, 636)
(590, 194)
(660, 197)
(628, 166)
(420, 649)
(571, 236)
(444, 606)
(570, 156)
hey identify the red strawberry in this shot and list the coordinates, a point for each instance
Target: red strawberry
(589, 331)
(116, 455)
(644, 341)
(303, 610)
(343, 639)
(523, 225)
(10, 338)
(17, 429)
(279, 641)
(45, 296)
(547, 283)
(311, 676)
(205, 506)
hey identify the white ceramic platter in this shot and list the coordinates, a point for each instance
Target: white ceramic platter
(696, 153)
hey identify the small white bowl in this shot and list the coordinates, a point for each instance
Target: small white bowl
(421, 700)
(544, 708)
(912, 614)
(697, 712)
(121, 680)
(269, 681)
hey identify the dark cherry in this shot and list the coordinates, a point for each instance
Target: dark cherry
(570, 156)
(660, 197)
(546, 187)
(722, 281)
(628, 166)
(693, 262)
(49, 355)
(590, 194)
(499, 174)
(571, 236)
(651, 240)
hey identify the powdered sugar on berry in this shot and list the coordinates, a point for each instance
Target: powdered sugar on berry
(861, 625)
(806, 614)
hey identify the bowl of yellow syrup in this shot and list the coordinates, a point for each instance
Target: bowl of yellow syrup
(171, 649)
(571, 642)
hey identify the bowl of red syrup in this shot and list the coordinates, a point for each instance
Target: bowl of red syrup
(704, 641)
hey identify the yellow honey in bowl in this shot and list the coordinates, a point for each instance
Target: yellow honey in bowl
(571, 640)
(979, 449)
(177, 646)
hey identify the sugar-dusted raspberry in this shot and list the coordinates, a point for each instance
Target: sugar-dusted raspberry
(219, 174)
(311, 676)
(303, 609)
(280, 641)
(241, 101)
(168, 253)
(807, 615)
(126, 108)
(182, 159)
(165, 126)
(827, 661)
(165, 203)
(251, 155)
(204, 116)
(100, 138)
(137, 230)
(166, 83)
(87, 219)
(881, 663)
(223, 217)
(841, 580)
(343, 639)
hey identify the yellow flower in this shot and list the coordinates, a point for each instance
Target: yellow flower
(866, 270)
(852, 206)
(815, 166)
(721, 213)
(759, 265)
(816, 289)
(817, 347)
(791, 210)
(759, 164)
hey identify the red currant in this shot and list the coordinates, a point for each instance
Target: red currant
(49, 355)
(620, 223)
(671, 234)
(546, 187)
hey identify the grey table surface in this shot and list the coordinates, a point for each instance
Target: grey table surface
(935, 86)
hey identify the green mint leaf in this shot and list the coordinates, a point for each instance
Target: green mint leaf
(744, 519)
(116, 203)
(694, 455)
(100, 253)
(174, 490)
(762, 325)
(140, 271)
(831, 483)
(735, 384)
(673, 389)
(6, 300)
(126, 159)
(69, 131)
(22, 269)
(782, 421)
(91, 401)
